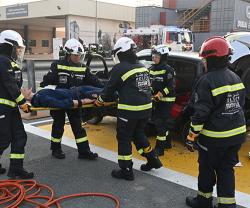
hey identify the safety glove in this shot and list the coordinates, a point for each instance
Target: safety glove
(26, 107)
(158, 96)
(99, 102)
(191, 140)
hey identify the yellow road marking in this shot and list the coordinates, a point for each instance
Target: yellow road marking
(177, 158)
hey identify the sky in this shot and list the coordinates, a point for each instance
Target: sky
(123, 2)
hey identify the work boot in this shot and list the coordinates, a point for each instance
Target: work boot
(124, 173)
(195, 202)
(19, 173)
(159, 148)
(2, 170)
(87, 155)
(152, 163)
(58, 153)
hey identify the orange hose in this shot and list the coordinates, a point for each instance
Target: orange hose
(14, 193)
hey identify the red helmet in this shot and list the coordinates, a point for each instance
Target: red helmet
(215, 46)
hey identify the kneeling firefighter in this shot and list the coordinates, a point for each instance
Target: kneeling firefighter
(131, 79)
(12, 130)
(162, 78)
(69, 73)
(218, 126)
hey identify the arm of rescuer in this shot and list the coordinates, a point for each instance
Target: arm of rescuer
(92, 80)
(203, 106)
(12, 88)
(51, 77)
(112, 86)
(168, 85)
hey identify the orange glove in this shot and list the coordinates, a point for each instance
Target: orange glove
(25, 107)
(158, 96)
(190, 142)
(99, 102)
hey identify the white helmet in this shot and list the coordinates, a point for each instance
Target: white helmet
(123, 44)
(160, 49)
(73, 46)
(11, 37)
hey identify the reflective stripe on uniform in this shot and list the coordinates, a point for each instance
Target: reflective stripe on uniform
(166, 90)
(227, 88)
(161, 138)
(16, 156)
(56, 140)
(168, 99)
(224, 200)
(147, 149)
(7, 102)
(13, 64)
(140, 151)
(20, 98)
(132, 72)
(157, 72)
(124, 157)
(71, 68)
(222, 134)
(166, 133)
(205, 195)
(80, 140)
(197, 127)
(134, 107)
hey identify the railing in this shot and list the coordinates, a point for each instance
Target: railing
(202, 25)
(188, 15)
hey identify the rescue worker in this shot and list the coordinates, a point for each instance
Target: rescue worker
(12, 130)
(217, 126)
(131, 79)
(162, 78)
(66, 74)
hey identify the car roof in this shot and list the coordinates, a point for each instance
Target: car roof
(179, 54)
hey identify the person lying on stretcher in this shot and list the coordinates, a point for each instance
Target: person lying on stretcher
(50, 97)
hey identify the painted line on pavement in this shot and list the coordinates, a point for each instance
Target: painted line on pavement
(25, 80)
(40, 122)
(182, 179)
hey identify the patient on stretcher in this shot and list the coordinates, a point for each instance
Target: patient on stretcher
(62, 98)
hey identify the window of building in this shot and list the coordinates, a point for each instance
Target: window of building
(45, 43)
(32, 43)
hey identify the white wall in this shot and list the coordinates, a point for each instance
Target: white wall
(87, 27)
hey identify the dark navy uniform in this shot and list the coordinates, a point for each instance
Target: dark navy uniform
(66, 75)
(219, 121)
(12, 129)
(162, 79)
(134, 109)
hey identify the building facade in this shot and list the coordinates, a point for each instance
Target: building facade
(42, 21)
(208, 18)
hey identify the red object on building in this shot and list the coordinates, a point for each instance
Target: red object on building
(171, 4)
(163, 18)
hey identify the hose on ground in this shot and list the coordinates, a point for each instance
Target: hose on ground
(17, 193)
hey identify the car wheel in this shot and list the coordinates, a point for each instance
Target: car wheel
(185, 131)
(96, 120)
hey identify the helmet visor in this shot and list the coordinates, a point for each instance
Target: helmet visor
(18, 54)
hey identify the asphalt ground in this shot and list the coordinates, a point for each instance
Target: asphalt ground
(162, 188)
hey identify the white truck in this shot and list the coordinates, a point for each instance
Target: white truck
(178, 39)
